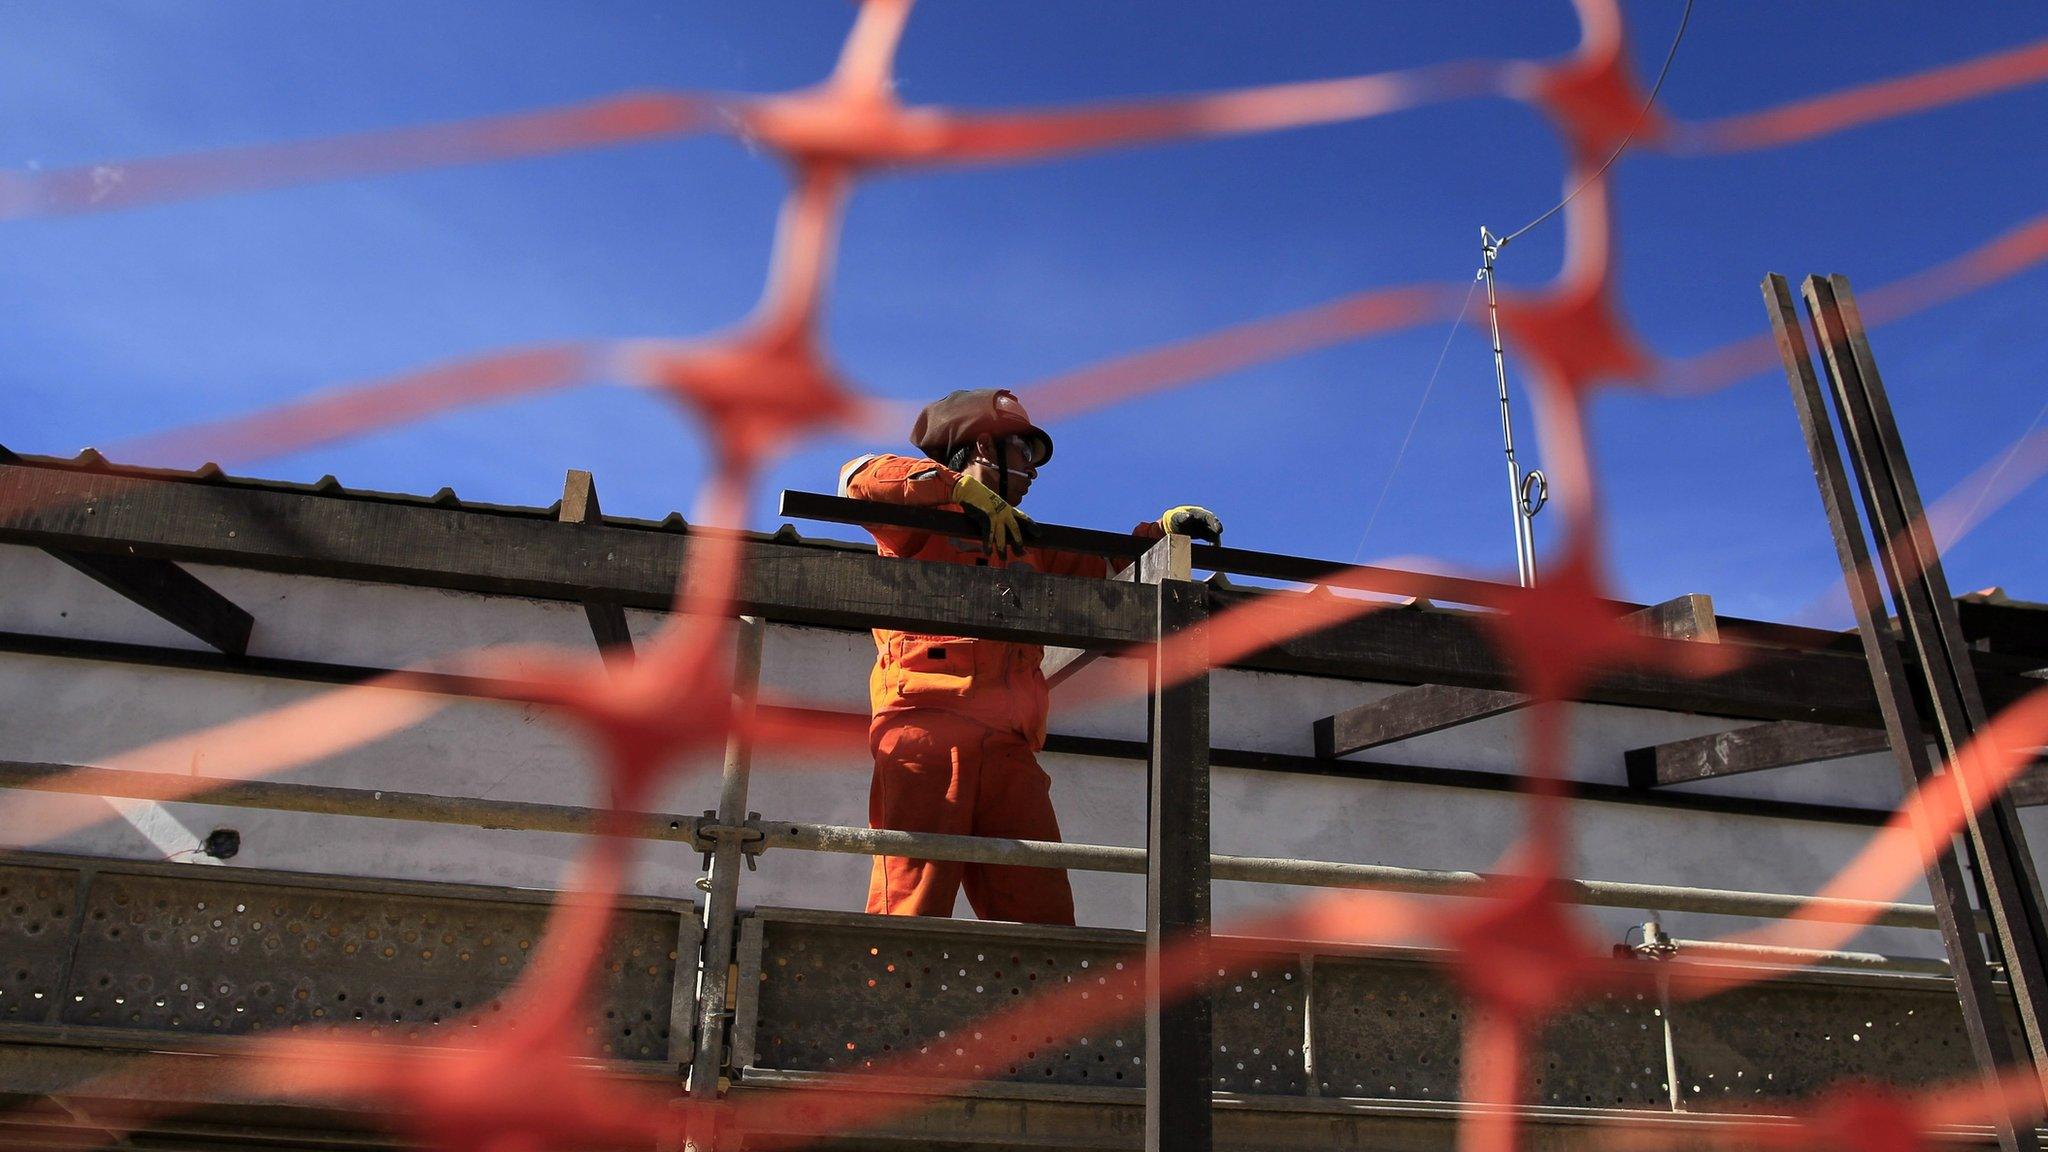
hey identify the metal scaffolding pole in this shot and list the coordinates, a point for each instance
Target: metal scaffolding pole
(728, 834)
(1734, 953)
(1333, 874)
(854, 841)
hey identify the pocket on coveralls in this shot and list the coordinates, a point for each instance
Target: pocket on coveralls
(941, 670)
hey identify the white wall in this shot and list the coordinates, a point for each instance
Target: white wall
(76, 711)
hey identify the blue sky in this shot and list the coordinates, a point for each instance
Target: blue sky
(117, 325)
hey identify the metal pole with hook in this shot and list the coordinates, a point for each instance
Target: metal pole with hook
(1527, 492)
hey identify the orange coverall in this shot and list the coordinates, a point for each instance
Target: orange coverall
(957, 723)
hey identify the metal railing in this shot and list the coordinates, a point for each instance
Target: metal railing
(754, 835)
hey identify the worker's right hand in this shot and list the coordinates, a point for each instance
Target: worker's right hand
(1003, 528)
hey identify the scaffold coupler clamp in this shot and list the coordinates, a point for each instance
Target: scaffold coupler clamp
(753, 840)
(1656, 943)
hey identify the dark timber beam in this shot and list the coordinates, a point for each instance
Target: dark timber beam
(1406, 715)
(171, 593)
(1761, 747)
(167, 590)
(1435, 707)
(1753, 749)
(2019, 629)
(1163, 559)
(855, 726)
(607, 617)
(522, 553)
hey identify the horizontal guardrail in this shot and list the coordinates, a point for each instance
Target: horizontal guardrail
(847, 840)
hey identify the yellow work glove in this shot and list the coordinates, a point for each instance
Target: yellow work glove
(1193, 520)
(1003, 528)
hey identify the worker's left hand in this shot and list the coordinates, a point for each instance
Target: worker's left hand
(1193, 520)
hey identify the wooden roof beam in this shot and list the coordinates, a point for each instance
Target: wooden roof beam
(1435, 707)
(171, 593)
(606, 615)
(1761, 747)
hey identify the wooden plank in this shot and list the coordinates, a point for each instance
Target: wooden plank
(2031, 788)
(607, 616)
(2018, 629)
(1425, 647)
(1166, 558)
(1179, 1042)
(1753, 749)
(855, 724)
(522, 554)
(171, 593)
(1759, 748)
(1687, 617)
(1436, 707)
(1406, 715)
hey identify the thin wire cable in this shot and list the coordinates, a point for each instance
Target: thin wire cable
(1416, 421)
(1963, 523)
(1683, 19)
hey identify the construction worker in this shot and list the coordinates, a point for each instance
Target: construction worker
(958, 721)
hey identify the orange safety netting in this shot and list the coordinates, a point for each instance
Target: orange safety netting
(523, 1081)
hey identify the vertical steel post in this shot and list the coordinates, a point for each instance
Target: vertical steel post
(1983, 1014)
(1178, 1026)
(721, 907)
(1525, 532)
(1932, 634)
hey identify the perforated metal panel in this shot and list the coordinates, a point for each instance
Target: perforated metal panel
(1385, 1031)
(37, 906)
(828, 992)
(1261, 1004)
(1756, 1046)
(1393, 1029)
(224, 952)
(1607, 1052)
(843, 993)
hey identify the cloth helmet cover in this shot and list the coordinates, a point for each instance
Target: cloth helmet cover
(956, 419)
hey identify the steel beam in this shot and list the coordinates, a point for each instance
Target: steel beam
(1983, 1014)
(1930, 630)
(1178, 1022)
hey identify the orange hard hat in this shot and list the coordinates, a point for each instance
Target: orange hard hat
(957, 419)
